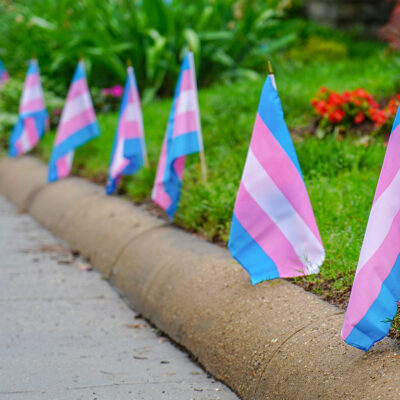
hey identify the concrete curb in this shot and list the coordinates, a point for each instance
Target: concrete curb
(272, 341)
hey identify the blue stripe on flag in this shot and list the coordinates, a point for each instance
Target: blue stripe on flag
(133, 152)
(396, 120)
(184, 145)
(79, 72)
(2, 67)
(40, 122)
(33, 67)
(271, 112)
(15, 135)
(248, 252)
(376, 323)
(79, 138)
(173, 187)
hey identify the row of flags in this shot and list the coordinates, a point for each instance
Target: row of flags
(274, 233)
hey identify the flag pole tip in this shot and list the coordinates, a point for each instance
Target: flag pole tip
(269, 68)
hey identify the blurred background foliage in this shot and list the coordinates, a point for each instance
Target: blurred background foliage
(230, 38)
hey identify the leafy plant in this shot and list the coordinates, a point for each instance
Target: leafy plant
(230, 38)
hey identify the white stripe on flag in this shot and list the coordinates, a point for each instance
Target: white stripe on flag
(380, 220)
(26, 144)
(268, 196)
(33, 93)
(119, 161)
(132, 112)
(76, 106)
(186, 102)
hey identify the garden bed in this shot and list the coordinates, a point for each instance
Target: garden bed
(341, 171)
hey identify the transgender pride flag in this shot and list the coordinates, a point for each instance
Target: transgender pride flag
(183, 137)
(376, 287)
(4, 77)
(273, 232)
(77, 126)
(129, 148)
(33, 117)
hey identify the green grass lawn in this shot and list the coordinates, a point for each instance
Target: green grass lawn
(341, 175)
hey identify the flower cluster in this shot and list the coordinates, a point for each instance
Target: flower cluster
(107, 99)
(115, 91)
(352, 108)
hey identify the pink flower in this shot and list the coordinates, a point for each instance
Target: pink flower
(115, 91)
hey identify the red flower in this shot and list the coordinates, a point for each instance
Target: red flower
(335, 99)
(362, 93)
(321, 107)
(359, 118)
(336, 116)
(346, 96)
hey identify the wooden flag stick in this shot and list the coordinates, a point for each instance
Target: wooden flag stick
(203, 166)
(146, 159)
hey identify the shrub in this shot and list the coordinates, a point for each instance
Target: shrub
(351, 109)
(318, 49)
(230, 38)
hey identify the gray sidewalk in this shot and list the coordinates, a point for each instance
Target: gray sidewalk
(65, 334)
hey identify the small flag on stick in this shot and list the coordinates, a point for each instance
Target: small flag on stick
(274, 233)
(4, 77)
(183, 137)
(33, 116)
(77, 126)
(129, 148)
(376, 287)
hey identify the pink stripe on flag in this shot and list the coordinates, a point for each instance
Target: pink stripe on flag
(20, 147)
(179, 166)
(368, 282)
(186, 81)
(391, 163)
(130, 130)
(33, 106)
(31, 131)
(159, 195)
(4, 77)
(272, 157)
(77, 88)
(268, 236)
(32, 80)
(75, 124)
(63, 166)
(185, 123)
